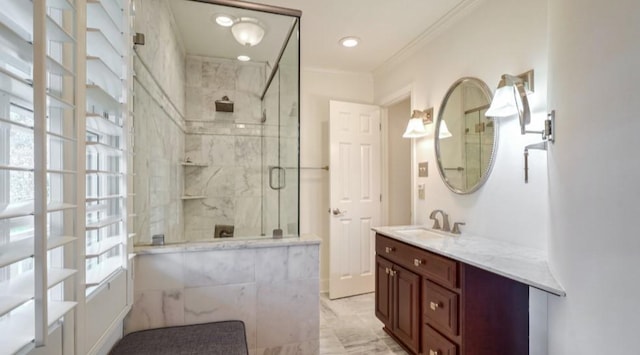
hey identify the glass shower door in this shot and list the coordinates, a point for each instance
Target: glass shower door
(281, 142)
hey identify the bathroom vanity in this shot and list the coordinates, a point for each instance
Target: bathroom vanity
(439, 294)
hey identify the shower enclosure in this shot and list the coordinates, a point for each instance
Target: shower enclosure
(202, 172)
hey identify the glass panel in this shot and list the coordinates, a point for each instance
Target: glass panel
(281, 173)
(216, 156)
(289, 133)
(273, 176)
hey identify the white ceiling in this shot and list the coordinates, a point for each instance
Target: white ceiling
(384, 27)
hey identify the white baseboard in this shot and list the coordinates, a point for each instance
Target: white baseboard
(324, 285)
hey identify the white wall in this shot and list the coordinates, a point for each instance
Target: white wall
(479, 45)
(317, 88)
(398, 165)
(594, 170)
(492, 38)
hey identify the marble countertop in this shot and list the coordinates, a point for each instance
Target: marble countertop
(522, 264)
(244, 243)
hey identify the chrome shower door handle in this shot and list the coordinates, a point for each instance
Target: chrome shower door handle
(281, 178)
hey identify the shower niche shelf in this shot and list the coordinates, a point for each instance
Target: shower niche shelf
(193, 197)
(189, 163)
(194, 164)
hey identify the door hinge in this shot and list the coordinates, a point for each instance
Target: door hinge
(380, 197)
(380, 125)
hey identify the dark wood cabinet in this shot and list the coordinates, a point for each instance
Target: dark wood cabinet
(433, 305)
(384, 291)
(398, 302)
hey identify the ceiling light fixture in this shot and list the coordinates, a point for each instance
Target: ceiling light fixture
(248, 31)
(244, 58)
(224, 20)
(349, 42)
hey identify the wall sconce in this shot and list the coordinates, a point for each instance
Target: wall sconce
(511, 99)
(415, 127)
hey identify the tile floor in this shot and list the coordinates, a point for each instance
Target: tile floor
(349, 326)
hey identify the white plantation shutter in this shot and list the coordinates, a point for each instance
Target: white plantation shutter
(38, 169)
(106, 141)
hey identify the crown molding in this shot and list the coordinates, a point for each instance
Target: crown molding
(433, 31)
(334, 71)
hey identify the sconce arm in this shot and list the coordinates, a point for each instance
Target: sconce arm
(539, 146)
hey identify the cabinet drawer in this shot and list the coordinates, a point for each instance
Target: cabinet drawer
(440, 307)
(434, 267)
(435, 344)
(422, 262)
(393, 250)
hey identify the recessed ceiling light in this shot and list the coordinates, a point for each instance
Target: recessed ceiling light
(224, 20)
(349, 42)
(244, 58)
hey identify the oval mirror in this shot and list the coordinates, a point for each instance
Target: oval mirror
(465, 140)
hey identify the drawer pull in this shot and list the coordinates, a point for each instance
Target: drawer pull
(434, 352)
(434, 305)
(389, 249)
(393, 273)
(417, 262)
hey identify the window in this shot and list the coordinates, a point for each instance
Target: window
(106, 179)
(38, 170)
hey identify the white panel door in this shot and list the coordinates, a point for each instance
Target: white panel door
(354, 131)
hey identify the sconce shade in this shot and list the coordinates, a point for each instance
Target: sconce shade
(415, 129)
(443, 131)
(247, 31)
(511, 99)
(503, 103)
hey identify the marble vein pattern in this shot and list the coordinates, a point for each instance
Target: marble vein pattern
(526, 265)
(158, 182)
(349, 326)
(155, 19)
(232, 181)
(271, 285)
(159, 109)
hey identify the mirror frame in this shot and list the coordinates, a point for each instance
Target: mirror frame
(436, 139)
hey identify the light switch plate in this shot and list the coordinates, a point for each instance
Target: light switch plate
(421, 195)
(423, 169)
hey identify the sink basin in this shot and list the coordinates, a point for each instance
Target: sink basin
(417, 231)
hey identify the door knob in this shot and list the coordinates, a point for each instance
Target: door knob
(337, 212)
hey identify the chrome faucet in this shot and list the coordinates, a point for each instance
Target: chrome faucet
(436, 223)
(456, 227)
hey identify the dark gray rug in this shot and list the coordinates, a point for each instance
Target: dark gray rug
(218, 338)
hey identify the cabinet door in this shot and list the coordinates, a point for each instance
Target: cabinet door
(406, 307)
(384, 292)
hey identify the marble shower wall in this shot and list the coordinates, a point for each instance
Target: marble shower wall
(163, 51)
(159, 127)
(273, 289)
(230, 144)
